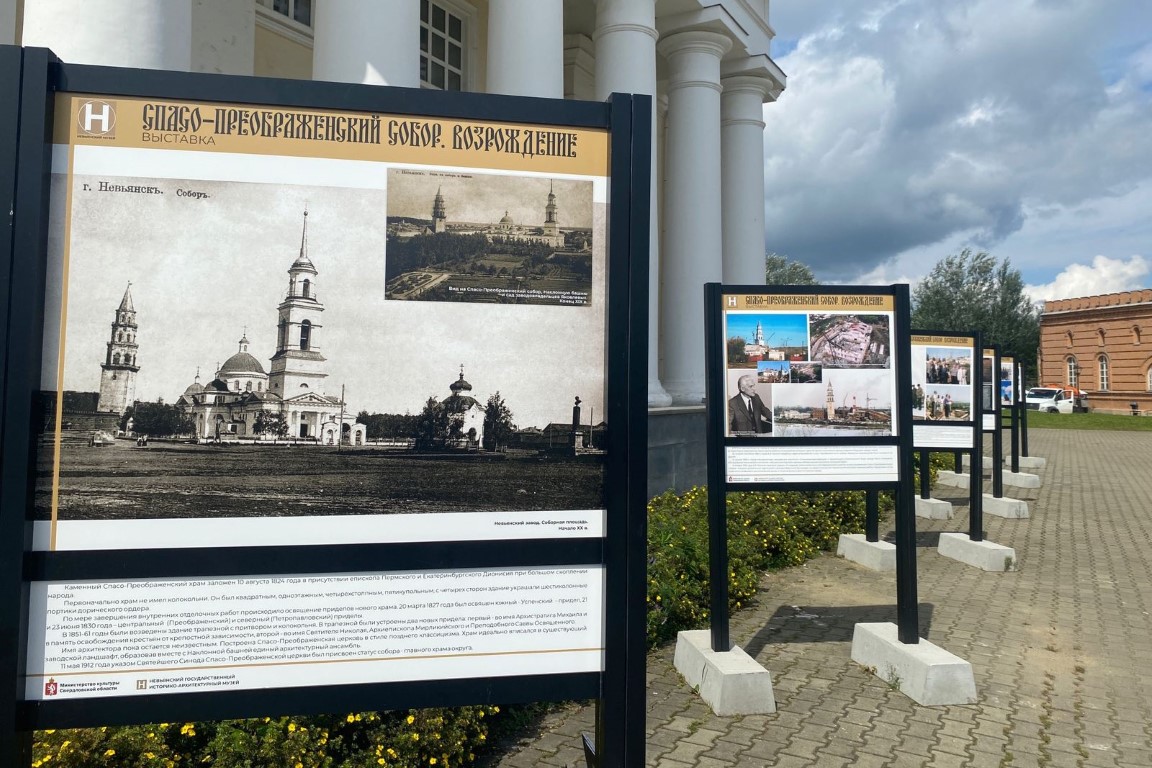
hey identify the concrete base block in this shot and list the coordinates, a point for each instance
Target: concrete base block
(874, 555)
(1005, 507)
(950, 479)
(1021, 479)
(924, 672)
(1030, 462)
(985, 462)
(731, 683)
(933, 509)
(982, 554)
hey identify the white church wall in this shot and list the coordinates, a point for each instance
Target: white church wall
(223, 37)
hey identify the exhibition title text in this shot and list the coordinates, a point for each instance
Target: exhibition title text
(183, 124)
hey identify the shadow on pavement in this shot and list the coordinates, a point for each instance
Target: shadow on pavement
(826, 623)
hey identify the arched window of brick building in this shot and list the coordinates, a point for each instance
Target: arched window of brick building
(1069, 338)
(1100, 333)
(1073, 372)
(1149, 379)
(1102, 364)
(1135, 334)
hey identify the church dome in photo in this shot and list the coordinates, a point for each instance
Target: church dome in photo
(460, 386)
(194, 388)
(506, 220)
(241, 363)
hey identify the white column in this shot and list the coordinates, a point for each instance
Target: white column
(118, 33)
(692, 229)
(377, 43)
(7, 22)
(625, 40)
(742, 148)
(526, 47)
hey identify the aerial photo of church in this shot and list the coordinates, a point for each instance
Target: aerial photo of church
(287, 400)
(499, 239)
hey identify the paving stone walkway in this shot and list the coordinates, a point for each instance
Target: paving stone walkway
(1061, 649)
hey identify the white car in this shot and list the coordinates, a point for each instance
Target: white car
(1050, 400)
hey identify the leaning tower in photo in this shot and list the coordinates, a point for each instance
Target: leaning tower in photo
(119, 369)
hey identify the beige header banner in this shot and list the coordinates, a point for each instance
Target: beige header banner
(259, 130)
(809, 302)
(948, 341)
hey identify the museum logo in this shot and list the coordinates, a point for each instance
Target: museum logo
(97, 118)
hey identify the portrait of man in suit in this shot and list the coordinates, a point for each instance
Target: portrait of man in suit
(747, 412)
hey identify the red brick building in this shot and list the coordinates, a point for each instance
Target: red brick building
(1102, 344)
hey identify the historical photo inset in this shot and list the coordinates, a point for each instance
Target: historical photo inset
(488, 238)
(989, 394)
(773, 372)
(292, 391)
(941, 383)
(749, 405)
(1007, 381)
(850, 340)
(756, 337)
(850, 402)
(945, 365)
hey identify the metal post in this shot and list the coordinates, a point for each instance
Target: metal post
(717, 486)
(907, 607)
(959, 455)
(925, 480)
(872, 515)
(1024, 429)
(1014, 420)
(997, 435)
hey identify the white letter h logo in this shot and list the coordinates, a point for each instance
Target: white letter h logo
(90, 116)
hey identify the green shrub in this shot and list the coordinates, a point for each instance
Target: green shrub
(418, 738)
(765, 531)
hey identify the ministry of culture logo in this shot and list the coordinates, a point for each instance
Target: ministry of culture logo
(51, 688)
(97, 118)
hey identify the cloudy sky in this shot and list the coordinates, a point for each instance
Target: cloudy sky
(913, 128)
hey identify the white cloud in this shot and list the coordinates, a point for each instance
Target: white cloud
(911, 124)
(1105, 275)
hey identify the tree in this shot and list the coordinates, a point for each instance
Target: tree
(434, 425)
(780, 270)
(498, 426)
(972, 291)
(270, 423)
(159, 420)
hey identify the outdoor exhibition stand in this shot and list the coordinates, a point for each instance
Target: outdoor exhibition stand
(993, 421)
(946, 364)
(1010, 394)
(808, 389)
(1023, 414)
(129, 177)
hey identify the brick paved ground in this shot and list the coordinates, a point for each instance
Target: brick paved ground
(1061, 649)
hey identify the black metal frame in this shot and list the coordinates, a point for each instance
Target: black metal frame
(31, 77)
(717, 440)
(977, 473)
(976, 450)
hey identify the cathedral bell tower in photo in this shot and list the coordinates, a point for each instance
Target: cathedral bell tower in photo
(298, 366)
(119, 369)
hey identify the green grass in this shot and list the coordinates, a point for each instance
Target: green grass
(1105, 421)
